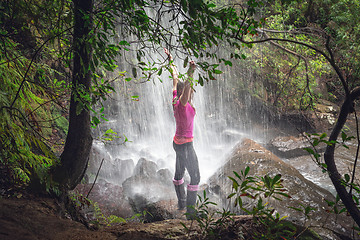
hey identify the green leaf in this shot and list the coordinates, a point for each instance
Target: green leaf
(135, 98)
(134, 72)
(229, 63)
(237, 175)
(231, 195)
(347, 178)
(110, 131)
(201, 80)
(323, 136)
(309, 150)
(247, 169)
(343, 136)
(276, 178)
(124, 43)
(186, 61)
(95, 120)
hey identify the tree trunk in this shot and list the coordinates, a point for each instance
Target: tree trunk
(335, 176)
(75, 156)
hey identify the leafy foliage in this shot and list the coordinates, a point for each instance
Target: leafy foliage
(267, 222)
(212, 223)
(258, 189)
(24, 103)
(36, 61)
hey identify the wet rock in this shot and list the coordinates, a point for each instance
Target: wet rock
(145, 168)
(98, 152)
(164, 175)
(147, 187)
(112, 170)
(110, 198)
(153, 211)
(291, 146)
(262, 162)
(123, 169)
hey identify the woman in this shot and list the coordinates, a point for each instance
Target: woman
(186, 158)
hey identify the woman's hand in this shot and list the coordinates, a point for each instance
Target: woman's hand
(192, 67)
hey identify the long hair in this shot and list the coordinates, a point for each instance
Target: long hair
(180, 89)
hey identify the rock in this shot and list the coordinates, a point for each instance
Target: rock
(98, 152)
(147, 187)
(291, 146)
(112, 170)
(263, 162)
(326, 107)
(147, 194)
(38, 218)
(154, 211)
(110, 198)
(123, 169)
(145, 168)
(164, 175)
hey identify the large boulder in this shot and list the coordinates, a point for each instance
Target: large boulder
(122, 169)
(149, 189)
(263, 162)
(154, 211)
(112, 170)
(97, 154)
(109, 197)
(149, 182)
(145, 168)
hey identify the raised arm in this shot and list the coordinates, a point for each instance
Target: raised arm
(173, 70)
(185, 97)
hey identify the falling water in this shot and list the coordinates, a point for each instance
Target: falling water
(148, 122)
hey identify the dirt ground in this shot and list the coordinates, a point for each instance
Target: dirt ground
(29, 218)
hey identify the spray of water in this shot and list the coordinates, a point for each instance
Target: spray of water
(149, 124)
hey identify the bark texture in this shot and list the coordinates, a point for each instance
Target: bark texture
(345, 196)
(75, 156)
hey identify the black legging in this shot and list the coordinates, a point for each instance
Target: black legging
(186, 158)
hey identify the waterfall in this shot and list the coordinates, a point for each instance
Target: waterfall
(149, 125)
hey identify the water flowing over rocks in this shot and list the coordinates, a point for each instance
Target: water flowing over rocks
(302, 191)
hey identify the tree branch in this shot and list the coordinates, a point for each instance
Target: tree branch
(334, 175)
